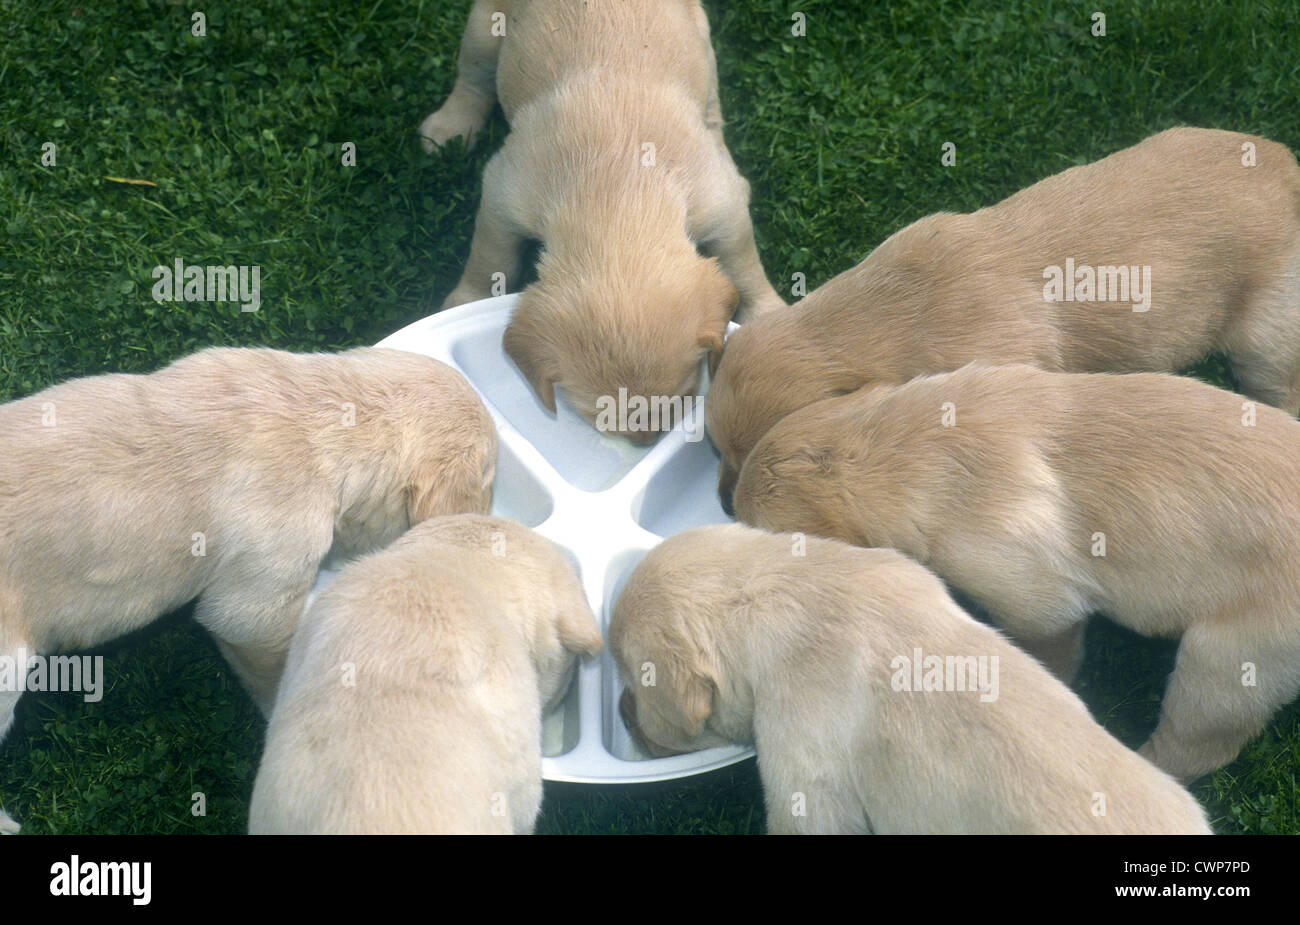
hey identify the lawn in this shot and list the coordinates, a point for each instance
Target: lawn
(240, 136)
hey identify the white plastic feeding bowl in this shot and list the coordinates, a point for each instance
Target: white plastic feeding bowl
(603, 499)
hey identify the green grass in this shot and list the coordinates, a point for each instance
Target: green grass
(241, 131)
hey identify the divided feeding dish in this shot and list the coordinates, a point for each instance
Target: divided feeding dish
(602, 499)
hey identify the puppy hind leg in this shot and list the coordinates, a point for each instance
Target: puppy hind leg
(465, 111)
(1223, 691)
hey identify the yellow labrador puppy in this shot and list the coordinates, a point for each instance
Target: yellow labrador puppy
(1145, 260)
(228, 477)
(875, 702)
(413, 697)
(1169, 505)
(616, 162)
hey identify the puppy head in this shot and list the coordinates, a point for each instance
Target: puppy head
(544, 592)
(641, 329)
(793, 481)
(661, 640)
(767, 371)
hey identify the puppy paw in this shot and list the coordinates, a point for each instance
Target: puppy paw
(8, 825)
(757, 307)
(1179, 767)
(451, 121)
(463, 294)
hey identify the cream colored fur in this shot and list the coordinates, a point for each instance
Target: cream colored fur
(616, 163)
(275, 459)
(1169, 505)
(790, 645)
(1222, 241)
(413, 697)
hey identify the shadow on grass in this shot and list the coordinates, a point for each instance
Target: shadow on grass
(170, 748)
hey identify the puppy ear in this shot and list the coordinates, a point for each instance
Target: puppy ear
(693, 694)
(794, 490)
(577, 628)
(712, 342)
(727, 298)
(723, 299)
(687, 677)
(579, 633)
(456, 486)
(533, 353)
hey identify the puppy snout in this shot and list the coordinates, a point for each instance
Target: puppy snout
(627, 710)
(726, 488)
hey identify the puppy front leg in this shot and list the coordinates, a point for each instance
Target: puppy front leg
(465, 111)
(8, 701)
(18, 652)
(258, 669)
(730, 237)
(802, 788)
(1262, 340)
(1226, 685)
(713, 106)
(252, 627)
(1061, 654)
(496, 250)
(1272, 380)
(525, 804)
(804, 804)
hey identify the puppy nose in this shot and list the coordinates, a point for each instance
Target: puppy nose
(726, 486)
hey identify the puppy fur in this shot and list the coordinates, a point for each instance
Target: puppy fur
(458, 635)
(1222, 241)
(793, 653)
(1169, 505)
(625, 296)
(275, 458)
